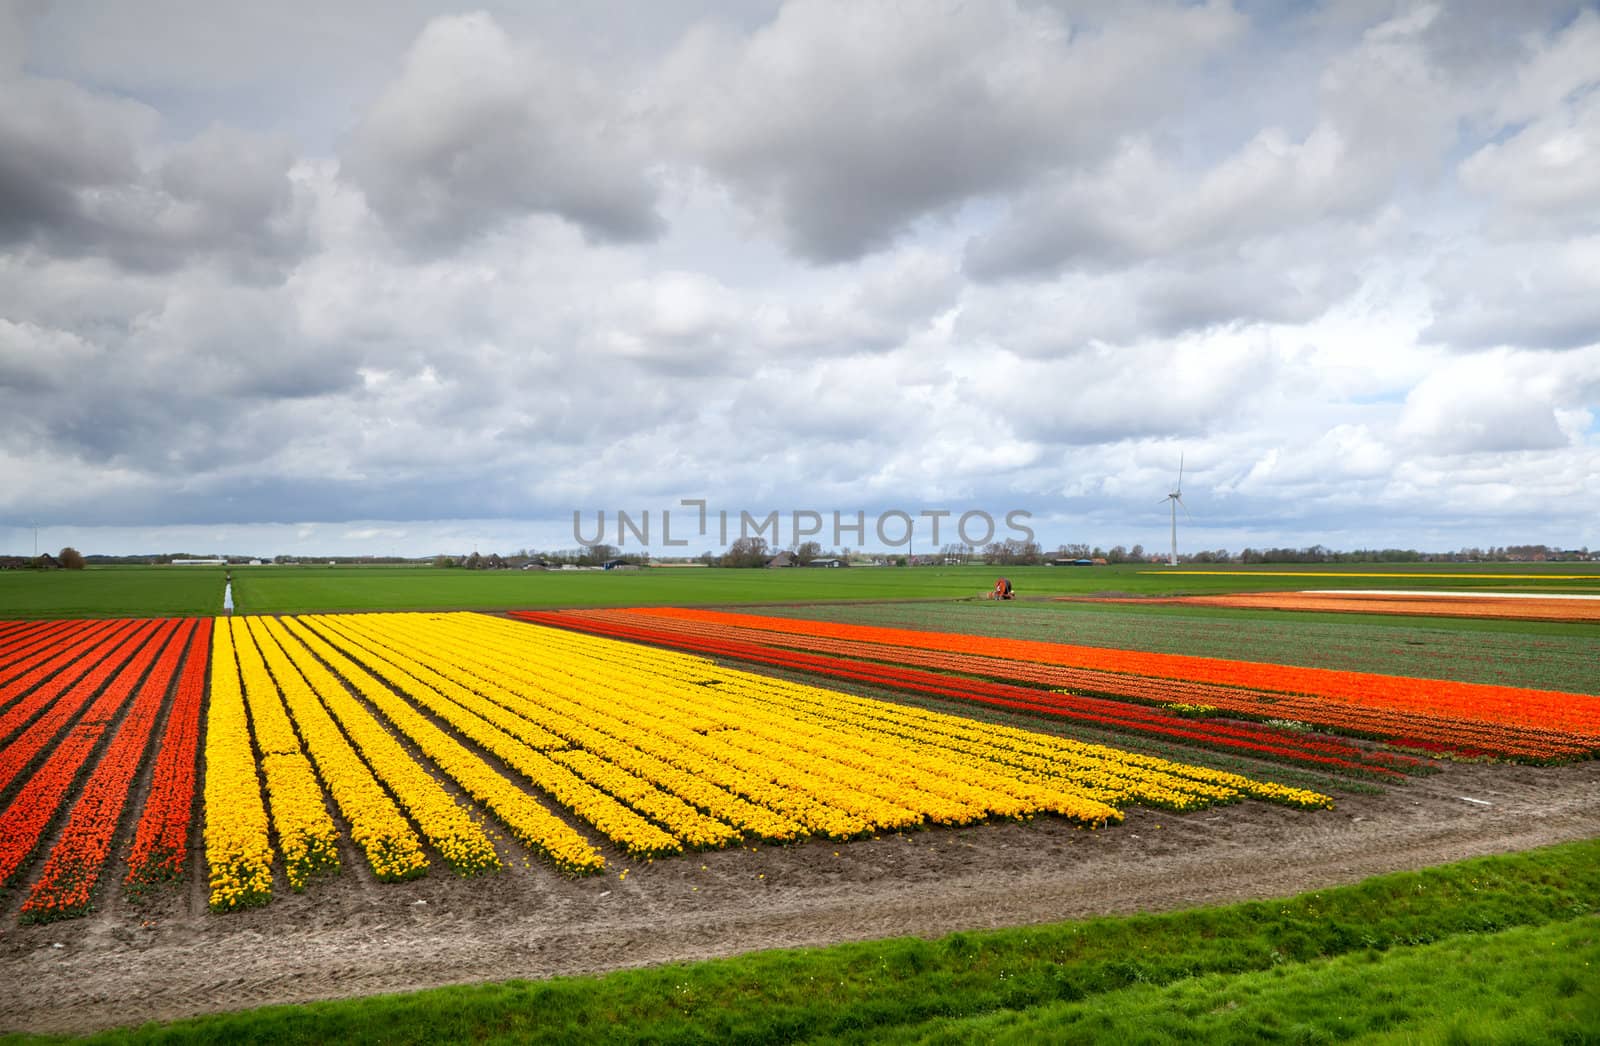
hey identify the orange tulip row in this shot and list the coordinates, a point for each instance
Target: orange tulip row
(1559, 720)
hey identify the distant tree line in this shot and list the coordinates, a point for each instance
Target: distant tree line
(68, 558)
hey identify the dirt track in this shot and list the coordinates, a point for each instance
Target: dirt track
(170, 958)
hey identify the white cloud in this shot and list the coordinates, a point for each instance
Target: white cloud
(1546, 169)
(844, 123)
(268, 271)
(479, 129)
(1490, 402)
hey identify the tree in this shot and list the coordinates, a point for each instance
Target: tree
(71, 558)
(808, 551)
(595, 555)
(746, 552)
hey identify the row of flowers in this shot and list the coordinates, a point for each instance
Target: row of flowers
(44, 792)
(23, 643)
(1118, 777)
(1407, 729)
(654, 687)
(161, 841)
(631, 830)
(36, 662)
(1532, 608)
(1241, 738)
(66, 886)
(1446, 730)
(657, 750)
(1087, 683)
(663, 710)
(238, 852)
(554, 722)
(529, 821)
(377, 827)
(43, 713)
(550, 687)
(307, 836)
(1576, 714)
(447, 825)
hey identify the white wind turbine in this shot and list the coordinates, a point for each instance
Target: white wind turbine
(1175, 499)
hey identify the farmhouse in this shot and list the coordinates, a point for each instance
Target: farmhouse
(831, 561)
(782, 559)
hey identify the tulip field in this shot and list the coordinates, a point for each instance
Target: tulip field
(1462, 719)
(414, 743)
(201, 813)
(415, 740)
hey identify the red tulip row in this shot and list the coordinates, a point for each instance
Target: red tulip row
(26, 676)
(57, 708)
(26, 639)
(1416, 730)
(161, 842)
(33, 808)
(1577, 715)
(1244, 738)
(66, 885)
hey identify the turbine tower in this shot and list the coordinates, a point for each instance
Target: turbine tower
(1175, 499)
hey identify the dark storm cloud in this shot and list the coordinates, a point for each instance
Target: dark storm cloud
(478, 130)
(847, 122)
(73, 182)
(57, 141)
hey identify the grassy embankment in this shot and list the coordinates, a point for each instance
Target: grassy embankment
(1502, 949)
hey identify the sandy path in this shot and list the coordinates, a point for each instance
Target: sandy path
(170, 958)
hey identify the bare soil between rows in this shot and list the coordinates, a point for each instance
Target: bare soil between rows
(168, 957)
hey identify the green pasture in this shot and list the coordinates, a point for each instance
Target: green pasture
(1502, 949)
(125, 591)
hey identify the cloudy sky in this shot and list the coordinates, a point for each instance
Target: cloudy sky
(395, 277)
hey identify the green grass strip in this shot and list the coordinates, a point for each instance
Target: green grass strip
(1524, 985)
(870, 990)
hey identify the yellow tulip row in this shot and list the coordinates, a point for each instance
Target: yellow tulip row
(377, 826)
(552, 714)
(830, 709)
(306, 833)
(446, 824)
(1105, 778)
(618, 822)
(686, 748)
(527, 820)
(1148, 780)
(238, 852)
(871, 790)
(1121, 777)
(1072, 796)
(844, 788)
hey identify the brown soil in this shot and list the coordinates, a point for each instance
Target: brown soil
(169, 957)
